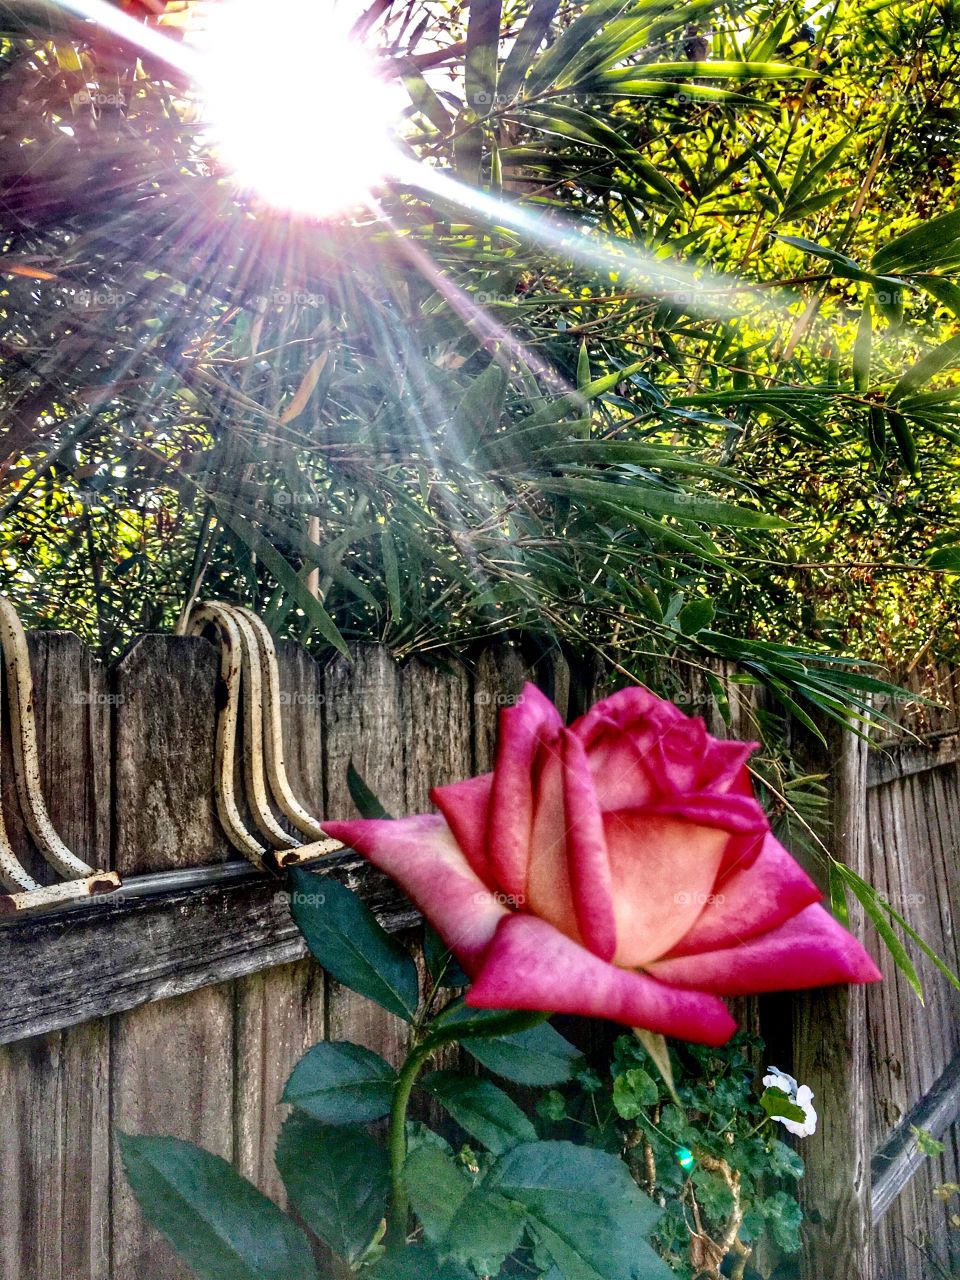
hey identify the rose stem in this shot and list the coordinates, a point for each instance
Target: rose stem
(397, 1132)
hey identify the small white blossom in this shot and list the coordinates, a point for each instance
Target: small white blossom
(799, 1095)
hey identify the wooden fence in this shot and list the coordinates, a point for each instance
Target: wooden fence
(181, 1004)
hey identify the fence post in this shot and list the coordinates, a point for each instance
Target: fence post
(831, 1055)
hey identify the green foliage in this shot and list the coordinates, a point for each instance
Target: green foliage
(712, 1155)
(346, 938)
(537, 1056)
(481, 1110)
(241, 400)
(583, 1208)
(341, 1083)
(337, 1180)
(217, 1221)
(599, 1187)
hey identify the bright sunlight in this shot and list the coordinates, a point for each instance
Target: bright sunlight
(296, 107)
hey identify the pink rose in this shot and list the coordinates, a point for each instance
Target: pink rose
(620, 868)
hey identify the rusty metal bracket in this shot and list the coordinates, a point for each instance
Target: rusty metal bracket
(250, 688)
(27, 895)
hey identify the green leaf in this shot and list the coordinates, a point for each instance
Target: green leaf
(337, 1178)
(416, 1262)
(480, 72)
(459, 1019)
(285, 574)
(945, 356)
(945, 558)
(220, 1224)
(440, 960)
(779, 1106)
(485, 1231)
(481, 1109)
(573, 42)
(861, 352)
(927, 1144)
(584, 1207)
(534, 31)
(368, 806)
(784, 1218)
(437, 1188)
(341, 1083)
(689, 507)
(866, 895)
(933, 243)
(391, 572)
(634, 1092)
(945, 291)
(656, 1046)
(696, 615)
(468, 1223)
(424, 98)
(351, 945)
(537, 1056)
(583, 366)
(478, 412)
(905, 441)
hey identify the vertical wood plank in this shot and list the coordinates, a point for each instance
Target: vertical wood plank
(363, 724)
(54, 1157)
(173, 1061)
(499, 676)
(830, 1055)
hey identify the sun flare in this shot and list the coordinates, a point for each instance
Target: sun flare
(296, 107)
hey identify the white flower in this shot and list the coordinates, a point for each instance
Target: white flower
(800, 1095)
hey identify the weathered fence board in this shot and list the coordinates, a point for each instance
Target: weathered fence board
(54, 1153)
(913, 814)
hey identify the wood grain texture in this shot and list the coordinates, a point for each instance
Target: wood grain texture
(171, 1061)
(54, 1152)
(363, 725)
(830, 1055)
(149, 949)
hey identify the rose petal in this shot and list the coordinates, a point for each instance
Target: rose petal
(723, 765)
(809, 950)
(751, 900)
(421, 854)
(531, 965)
(465, 805)
(620, 735)
(525, 727)
(739, 815)
(588, 863)
(663, 874)
(549, 891)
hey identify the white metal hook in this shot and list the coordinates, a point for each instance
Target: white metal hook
(250, 676)
(79, 880)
